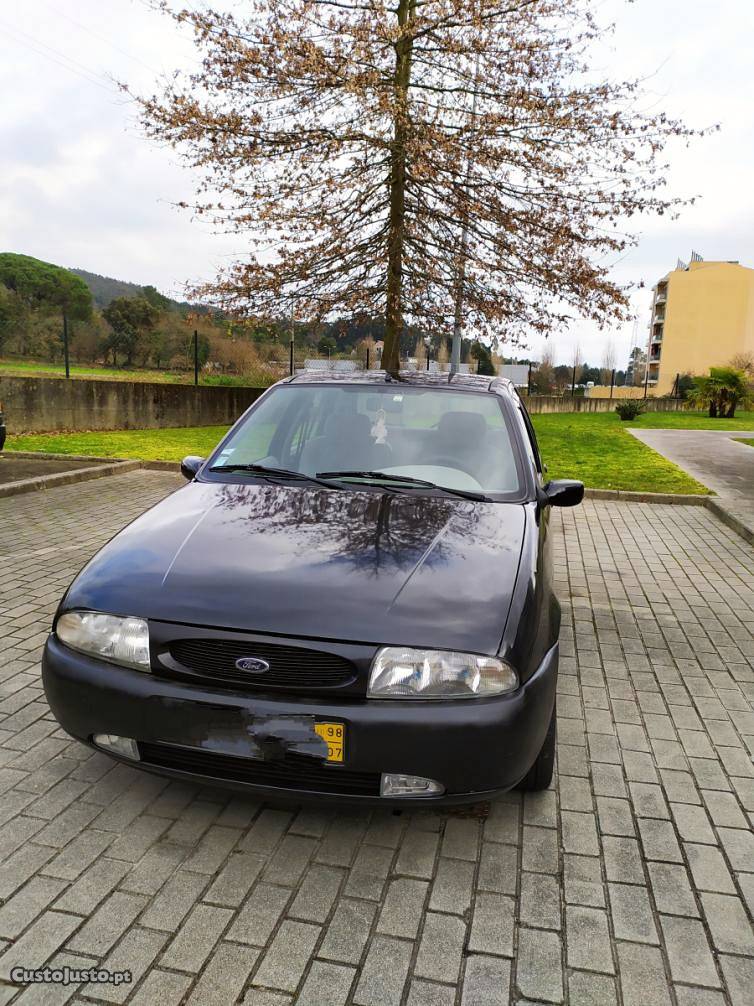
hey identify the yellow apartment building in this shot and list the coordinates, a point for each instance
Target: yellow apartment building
(702, 315)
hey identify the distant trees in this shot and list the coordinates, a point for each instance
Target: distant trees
(129, 318)
(482, 355)
(39, 284)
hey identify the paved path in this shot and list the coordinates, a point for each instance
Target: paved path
(716, 459)
(630, 882)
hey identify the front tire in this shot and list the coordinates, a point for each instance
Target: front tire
(540, 774)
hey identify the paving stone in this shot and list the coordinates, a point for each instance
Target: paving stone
(368, 873)
(492, 925)
(540, 901)
(416, 857)
(688, 951)
(587, 989)
(623, 861)
(580, 833)
(708, 869)
(486, 981)
(659, 840)
(403, 909)
(728, 923)
(259, 915)
(588, 939)
(498, 871)
(539, 973)
(107, 925)
(285, 961)
(348, 932)
(441, 948)
(29, 902)
(38, 943)
(198, 935)
(739, 977)
(317, 893)
(671, 889)
(738, 846)
(632, 913)
(164, 987)
(236, 879)
(174, 901)
(643, 980)
(135, 953)
(540, 850)
(583, 881)
(384, 973)
(326, 983)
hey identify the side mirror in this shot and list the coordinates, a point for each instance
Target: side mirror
(563, 492)
(190, 466)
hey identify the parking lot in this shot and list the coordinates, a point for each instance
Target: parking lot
(631, 881)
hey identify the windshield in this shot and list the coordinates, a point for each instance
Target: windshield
(458, 440)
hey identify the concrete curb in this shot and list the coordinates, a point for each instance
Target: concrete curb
(627, 496)
(66, 478)
(731, 520)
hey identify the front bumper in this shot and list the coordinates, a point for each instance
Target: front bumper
(474, 747)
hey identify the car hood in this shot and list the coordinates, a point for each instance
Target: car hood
(361, 566)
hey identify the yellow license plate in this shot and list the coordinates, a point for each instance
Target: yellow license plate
(335, 736)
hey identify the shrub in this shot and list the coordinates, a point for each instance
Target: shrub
(631, 408)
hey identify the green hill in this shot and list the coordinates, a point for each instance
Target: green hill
(105, 289)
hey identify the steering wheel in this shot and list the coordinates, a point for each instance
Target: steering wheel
(445, 461)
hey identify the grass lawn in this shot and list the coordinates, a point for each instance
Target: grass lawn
(689, 421)
(749, 443)
(146, 445)
(595, 448)
(30, 368)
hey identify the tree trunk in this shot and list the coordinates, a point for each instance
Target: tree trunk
(713, 409)
(397, 185)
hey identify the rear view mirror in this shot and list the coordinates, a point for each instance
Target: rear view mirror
(563, 492)
(190, 466)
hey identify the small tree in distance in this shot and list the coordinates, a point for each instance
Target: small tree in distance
(377, 155)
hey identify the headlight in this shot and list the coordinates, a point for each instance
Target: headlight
(402, 673)
(119, 640)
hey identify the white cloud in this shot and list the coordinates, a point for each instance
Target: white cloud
(80, 186)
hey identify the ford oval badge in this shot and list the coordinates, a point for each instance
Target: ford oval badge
(254, 665)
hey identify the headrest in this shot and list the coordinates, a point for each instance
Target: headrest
(462, 426)
(347, 425)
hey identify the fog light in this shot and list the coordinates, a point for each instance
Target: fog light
(393, 784)
(126, 747)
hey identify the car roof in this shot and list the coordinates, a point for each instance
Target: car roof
(415, 378)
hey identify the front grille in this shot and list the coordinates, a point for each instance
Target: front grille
(291, 667)
(294, 772)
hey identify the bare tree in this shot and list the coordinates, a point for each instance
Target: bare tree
(338, 137)
(608, 361)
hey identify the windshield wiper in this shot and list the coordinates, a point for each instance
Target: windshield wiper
(408, 479)
(263, 471)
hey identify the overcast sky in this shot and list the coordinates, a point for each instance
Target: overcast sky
(80, 186)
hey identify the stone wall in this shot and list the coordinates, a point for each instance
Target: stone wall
(46, 404)
(42, 404)
(553, 403)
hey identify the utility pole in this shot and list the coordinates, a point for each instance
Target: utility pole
(196, 358)
(65, 345)
(293, 323)
(455, 353)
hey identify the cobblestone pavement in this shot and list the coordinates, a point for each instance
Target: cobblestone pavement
(631, 882)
